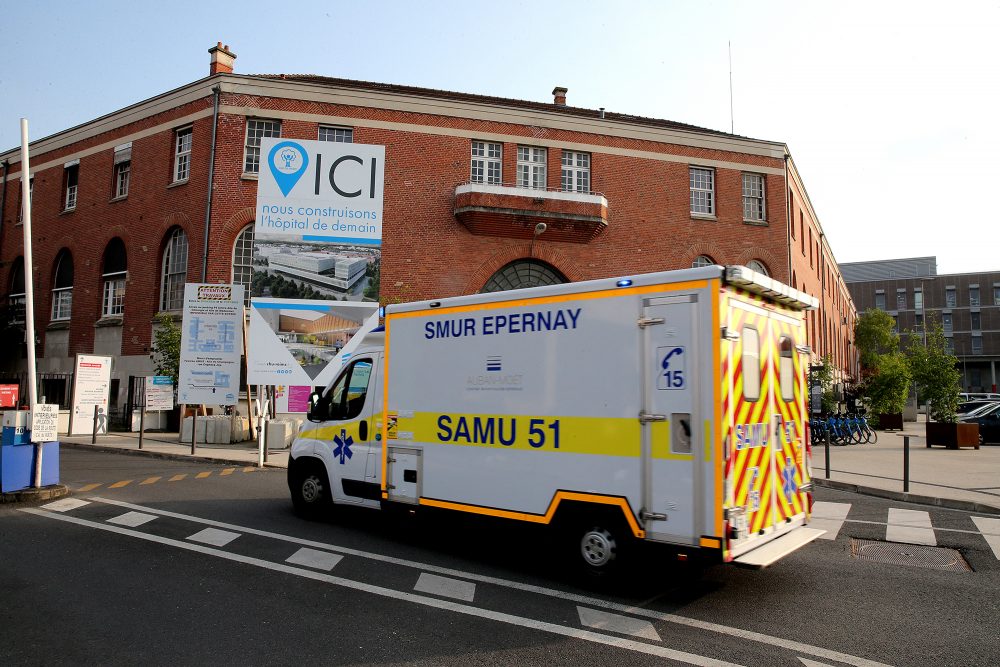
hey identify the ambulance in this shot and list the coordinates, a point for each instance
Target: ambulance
(662, 408)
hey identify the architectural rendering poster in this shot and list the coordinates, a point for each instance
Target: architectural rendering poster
(317, 255)
(211, 344)
(303, 343)
(91, 388)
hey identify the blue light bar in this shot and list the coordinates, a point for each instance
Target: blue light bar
(624, 282)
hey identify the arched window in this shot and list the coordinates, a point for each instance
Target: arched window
(758, 266)
(15, 296)
(174, 274)
(702, 260)
(243, 261)
(523, 273)
(114, 271)
(62, 286)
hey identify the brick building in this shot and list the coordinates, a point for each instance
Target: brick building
(123, 214)
(967, 304)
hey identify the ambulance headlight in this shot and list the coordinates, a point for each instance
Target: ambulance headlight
(624, 282)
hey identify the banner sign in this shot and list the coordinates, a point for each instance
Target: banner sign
(211, 344)
(91, 387)
(45, 422)
(302, 342)
(8, 395)
(159, 392)
(320, 191)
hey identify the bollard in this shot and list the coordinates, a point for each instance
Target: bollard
(826, 445)
(93, 436)
(194, 429)
(906, 464)
(142, 416)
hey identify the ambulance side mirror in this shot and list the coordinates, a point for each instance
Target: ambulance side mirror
(318, 408)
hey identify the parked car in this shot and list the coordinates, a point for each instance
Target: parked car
(978, 396)
(988, 418)
(970, 406)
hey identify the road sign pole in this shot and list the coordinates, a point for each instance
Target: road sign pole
(29, 293)
(194, 429)
(906, 464)
(142, 425)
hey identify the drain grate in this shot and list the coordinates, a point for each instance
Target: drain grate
(894, 553)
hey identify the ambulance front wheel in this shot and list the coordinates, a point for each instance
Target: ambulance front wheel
(309, 486)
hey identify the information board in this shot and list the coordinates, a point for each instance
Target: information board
(91, 385)
(45, 422)
(211, 344)
(159, 393)
(8, 395)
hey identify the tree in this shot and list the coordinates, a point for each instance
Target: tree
(823, 376)
(935, 370)
(885, 372)
(167, 346)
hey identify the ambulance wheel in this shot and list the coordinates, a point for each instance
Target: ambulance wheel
(601, 546)
(310, 488)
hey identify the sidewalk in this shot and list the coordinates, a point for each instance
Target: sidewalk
(167, 445)
(966, 479)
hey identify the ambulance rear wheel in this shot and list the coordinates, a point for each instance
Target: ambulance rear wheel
(601, 546)
(309, 487)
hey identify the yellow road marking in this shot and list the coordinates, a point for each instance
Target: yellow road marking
(177, 478)
(89, 487)
(227, 471)
(118, 485)
(202, 475)
(249, 469)
(151, 480)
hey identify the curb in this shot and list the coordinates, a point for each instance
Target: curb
(50, 492)
(948, 503)
(167, 456)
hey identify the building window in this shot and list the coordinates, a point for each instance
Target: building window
(996, 295)
(243, 262)
(753, 198)
(977, 323)
(175, 257)
(880, 301)
(115, 271)
(977, 345)
(895, 324)
(531, 167)
(950, 299)
(702, 190)
(123, 170)
(343, 135)
(71, 177)
(919, 319)
(918, 300)
(575, 171)
(20, 195)
(182, 154)
(62, 287)
(900, 300)
(16, 294)
(523, 273)
(486, 161)
(949, 345)
(974, 296)
(257, 130)
(946, 322)
(702, 260)
(758, 266)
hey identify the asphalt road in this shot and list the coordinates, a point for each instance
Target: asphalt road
(132, 577)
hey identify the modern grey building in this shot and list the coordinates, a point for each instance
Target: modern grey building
(968, 305)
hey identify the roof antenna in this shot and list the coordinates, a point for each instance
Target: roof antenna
(732, 127)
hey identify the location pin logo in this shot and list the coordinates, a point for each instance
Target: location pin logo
(288, 161)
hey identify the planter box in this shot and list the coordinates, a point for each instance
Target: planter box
(953, 436)
(892, 422)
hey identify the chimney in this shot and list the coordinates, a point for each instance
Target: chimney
(222, 59)
(560, 96)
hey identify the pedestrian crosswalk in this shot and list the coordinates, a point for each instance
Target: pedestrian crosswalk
(903, 525)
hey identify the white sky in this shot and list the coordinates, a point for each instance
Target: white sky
(889, 108)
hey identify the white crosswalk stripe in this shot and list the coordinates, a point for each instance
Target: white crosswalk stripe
(990, 528)
(829, 517)
(65, 505)
(214, 536)
(445, 587)
(624, 625)
(321, 560)
(910, 526)
(132, 519)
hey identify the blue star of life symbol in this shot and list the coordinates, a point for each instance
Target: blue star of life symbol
(788, 474)
(343, 448)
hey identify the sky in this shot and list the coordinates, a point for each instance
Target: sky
(889, 108)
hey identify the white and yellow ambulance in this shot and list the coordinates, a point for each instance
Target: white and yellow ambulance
(665, 407)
